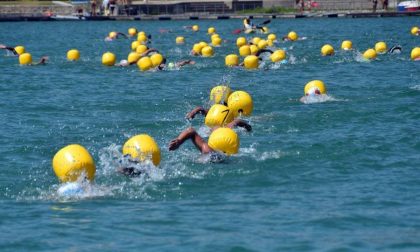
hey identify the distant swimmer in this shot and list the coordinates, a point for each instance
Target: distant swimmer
(396, 49)
(222, 141)
(315, 92)
(115, 35)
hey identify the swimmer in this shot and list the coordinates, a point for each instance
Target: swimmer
(396, 49)
(164, 65)
(315, 91)
(249, 27)
(9, 49)
(198, 141)
(115, 35)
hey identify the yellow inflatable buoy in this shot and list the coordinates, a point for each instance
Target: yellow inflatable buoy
(278, 55)
(132, 32)
(134, 45)
(415, 31)
(327, 50)
(133, 57)
(216, 41)
(315, 87)
(180, 40)
(241, 103)
(73, 55)
(262, 44)
(254, 49)
(71, 162)
(203, 44)
(369, 54)
(141, 148)
(224, 140)
(255, 40)
(232, 60)
(108, 59)
(272, 37)
(142, 38)
(20, 50)
(346, 45)
(197, 48)
(141, 49)
(292, 36)
(142, 33)
(415, 53)
(195, 28)
(25, 59)
(113, 35)
(251, 62)
(207, 51)
(218, 115)
(215, 35)
(245, 50)
(380, 47)
(156, 59)
(220, 94)
(211, 30)
(270, 42)
(240, 42)
(145, 63)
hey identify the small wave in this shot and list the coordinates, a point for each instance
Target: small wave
(416, 87)
(317, 99)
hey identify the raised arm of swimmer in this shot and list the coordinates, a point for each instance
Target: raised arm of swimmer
(190, 133)
(239, 123)
(11, 49)
(197, 110)
(121, 34)
(185, 62)
(149, 51)
(263, 51)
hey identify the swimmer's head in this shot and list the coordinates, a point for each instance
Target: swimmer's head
(133, 57)
(180, 40)
(251, 62)
(415, 31)
(240, 42)
(240, 102)
(369, 54)
(380, 47)
(145, 63)
(20, 50)
(346, 45)
(292, 36)
(112, 35)
(245, 50)
(327, 50)
(157, 59)
(218, 115)
(73, 55)
(141, 148)
(232, 60)
(278, 55)
(72, 161)
(315, 87)
(220, 94)
(211, 30)
(132, 31)
(415, 53)
(224, 140)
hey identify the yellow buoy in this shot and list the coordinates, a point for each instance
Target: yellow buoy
(156, 59)
(195, 28)
(25, 59)
(20, 50)
(278, 55)
(216, 41)
(108, 59)
(245, 50)
(207, 51)
(218, 115)
(415, 53)
(73, 55)
(369, 54)
(113, 35)
(71, 162)
(215, 35)
(292, 36)
(134, 45)
(241, 103)
(240, 42)
(232, 60)
(180, 40)
(270, 42)
(132, 31)
(203, 44)
(141, 49)
(197, 48)
(211, 30)
(224, 140)
(255, 40)
(220, 94)
(251, 62)
(145, 63)
(272, 37)
(142, 38)
(346, 45)
(315, 87)
(415, 31)
(327, 50)
(380, 47)
(141, 148)
(133, 57)
(141, 33)
(254, 49)
(262, 44)
(265, 29)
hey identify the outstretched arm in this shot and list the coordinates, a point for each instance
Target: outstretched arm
(185, 62)
(190, 133)
(263, 51)
(121, 34)
(197, 110)
(148, 51)
(239, 123)
(11, 49)
(42, 61)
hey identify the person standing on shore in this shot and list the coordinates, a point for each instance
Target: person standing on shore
(375, 3)
(93, 8)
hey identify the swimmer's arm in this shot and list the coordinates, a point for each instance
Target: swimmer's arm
(148, 51)
(42, 61)
(197, 110)
(9, 49)
(263, 51)
(185, 62)
(239, 123)
(122, 34)
(190, 133)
